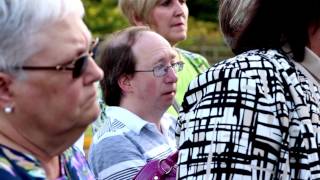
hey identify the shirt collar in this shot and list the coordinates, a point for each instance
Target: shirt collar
(311, 62)
(131, 120)
(134, 122)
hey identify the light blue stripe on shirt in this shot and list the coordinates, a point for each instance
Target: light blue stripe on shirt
(126, 142)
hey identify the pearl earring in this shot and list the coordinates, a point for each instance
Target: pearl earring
(8, 109)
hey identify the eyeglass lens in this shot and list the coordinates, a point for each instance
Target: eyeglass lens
(163, 70)
(80, 66)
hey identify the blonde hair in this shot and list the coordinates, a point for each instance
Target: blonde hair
(137, 9)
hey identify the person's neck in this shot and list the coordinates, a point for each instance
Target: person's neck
(311, 63)
(52, 168)
(146, 113)
(11, 137)
(49, 164)
(150, 117)
(44, 147)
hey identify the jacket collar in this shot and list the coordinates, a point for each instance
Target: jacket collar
(312, 62)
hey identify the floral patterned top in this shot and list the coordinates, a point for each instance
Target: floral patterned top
(15, 165)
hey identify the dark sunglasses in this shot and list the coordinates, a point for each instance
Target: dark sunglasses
(77, 66)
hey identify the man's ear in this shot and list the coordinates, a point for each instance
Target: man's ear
(5, 93)
(125, 84)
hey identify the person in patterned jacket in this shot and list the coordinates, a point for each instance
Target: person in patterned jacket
(257, 115)
(47, 91)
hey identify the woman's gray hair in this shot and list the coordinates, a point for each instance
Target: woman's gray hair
(233, 17)
(22, 20)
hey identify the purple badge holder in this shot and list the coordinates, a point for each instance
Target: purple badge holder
(163, 169)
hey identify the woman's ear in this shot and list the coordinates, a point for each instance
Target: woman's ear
(313, 28)
(314, 36)
(5, 93)
(138, 21)
(125, 84)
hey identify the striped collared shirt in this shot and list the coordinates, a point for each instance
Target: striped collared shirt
(126, 142)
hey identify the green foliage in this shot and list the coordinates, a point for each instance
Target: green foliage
(103, 16)
(205, 38)
(205, 10)
(202, 32)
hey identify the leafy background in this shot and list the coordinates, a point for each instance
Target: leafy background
(104, 17)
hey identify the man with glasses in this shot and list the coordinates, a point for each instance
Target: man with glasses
(140, 80)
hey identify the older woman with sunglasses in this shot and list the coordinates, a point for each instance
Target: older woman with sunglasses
(47, 91)
(140, 85)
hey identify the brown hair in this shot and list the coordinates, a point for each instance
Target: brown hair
(116, 59)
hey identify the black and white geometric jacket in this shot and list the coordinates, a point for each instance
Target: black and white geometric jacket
(253, 116)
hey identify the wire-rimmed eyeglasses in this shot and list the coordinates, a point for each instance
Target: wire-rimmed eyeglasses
(77, 66)
(162, 70)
